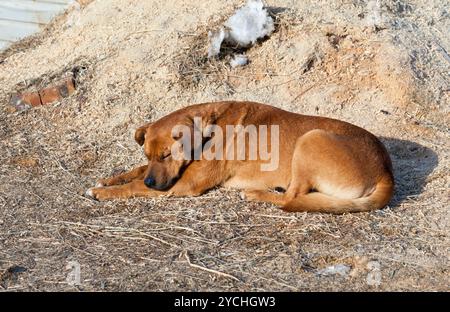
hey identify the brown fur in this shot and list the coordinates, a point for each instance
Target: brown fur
(325, 165)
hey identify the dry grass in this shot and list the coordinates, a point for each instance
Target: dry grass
(131, 61)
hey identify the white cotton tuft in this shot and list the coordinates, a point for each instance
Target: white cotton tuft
(249, 23)
(239, 60)
(215, 41)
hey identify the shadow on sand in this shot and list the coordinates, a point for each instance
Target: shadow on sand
(412, 164)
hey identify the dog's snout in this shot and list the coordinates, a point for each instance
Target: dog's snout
(150, 182)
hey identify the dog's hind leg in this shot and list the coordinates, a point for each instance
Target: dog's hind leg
(279, 199)
(330, 174)
(136, 173)
(264, 196)
(298, 185)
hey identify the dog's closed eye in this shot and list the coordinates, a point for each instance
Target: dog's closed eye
(166, 154)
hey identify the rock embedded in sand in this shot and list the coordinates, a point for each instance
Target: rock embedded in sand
(239, 60)
(338, 269)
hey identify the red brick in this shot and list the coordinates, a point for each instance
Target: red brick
(66, 88)
(32, 98)
(50, 95)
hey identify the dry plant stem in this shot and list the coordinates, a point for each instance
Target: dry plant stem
(186, 256)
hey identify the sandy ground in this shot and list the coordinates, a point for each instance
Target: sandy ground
(381, 65)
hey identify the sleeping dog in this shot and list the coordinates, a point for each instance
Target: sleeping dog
(316, 164)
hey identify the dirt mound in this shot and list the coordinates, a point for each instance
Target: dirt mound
(384, 67)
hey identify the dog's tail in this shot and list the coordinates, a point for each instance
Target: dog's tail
(319, 202)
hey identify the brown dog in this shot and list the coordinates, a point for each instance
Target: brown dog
(325, 165)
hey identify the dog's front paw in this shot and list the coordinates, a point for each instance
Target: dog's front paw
(98, 193)
(91, 193)
(108, 193)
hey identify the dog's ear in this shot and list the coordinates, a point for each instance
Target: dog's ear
(139, 135)
(210, 117)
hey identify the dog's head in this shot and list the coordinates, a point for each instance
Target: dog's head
(167, 159)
